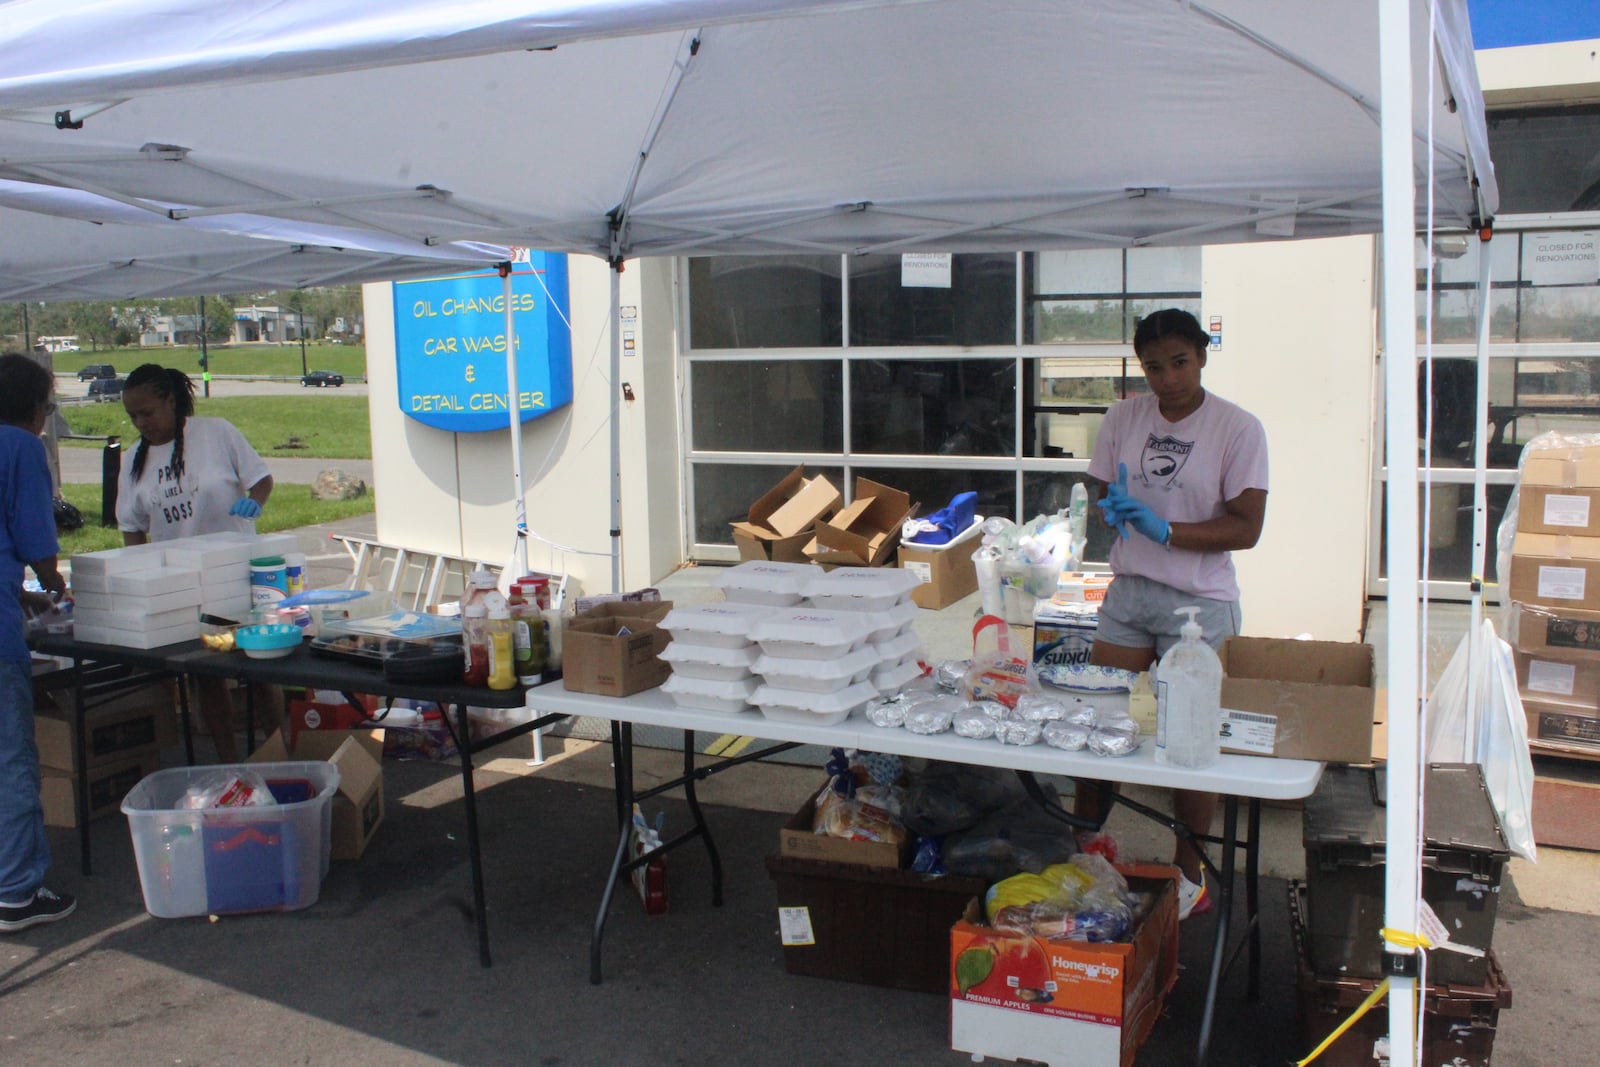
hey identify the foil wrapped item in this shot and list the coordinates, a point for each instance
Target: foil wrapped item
(948, 674)
(1115, 737)
(933, 716)
(1069, 736)
(973, 721)
(888, 712)
(992, 708)
(1083, 715)
(1018, 732)
(1038, 707)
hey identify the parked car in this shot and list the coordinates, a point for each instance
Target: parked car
(322, 378)
(96, 370)
(104, 389)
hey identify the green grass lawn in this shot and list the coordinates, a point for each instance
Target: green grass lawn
(275, 361)
(291, 506)
(321, 423)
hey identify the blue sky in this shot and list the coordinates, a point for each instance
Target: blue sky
(1504, 23)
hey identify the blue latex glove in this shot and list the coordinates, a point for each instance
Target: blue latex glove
(245, 508)
(1123, 511)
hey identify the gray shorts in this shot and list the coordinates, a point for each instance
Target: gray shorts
(1140, 613)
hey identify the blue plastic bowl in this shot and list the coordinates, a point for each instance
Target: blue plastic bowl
(268, 640)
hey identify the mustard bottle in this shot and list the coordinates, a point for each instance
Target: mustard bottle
(502, 650)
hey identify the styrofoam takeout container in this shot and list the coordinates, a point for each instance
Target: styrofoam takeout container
(818, 675)
(892, 678)
(813, 633)
(717, 625)
(761, 581)
(710, 694)
(898, 649)
(862, 588)
(709, 661)
(893, 622)
(816, 709)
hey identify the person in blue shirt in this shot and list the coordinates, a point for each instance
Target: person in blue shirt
(27, 538)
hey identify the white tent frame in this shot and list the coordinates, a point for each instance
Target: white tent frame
(285, 46)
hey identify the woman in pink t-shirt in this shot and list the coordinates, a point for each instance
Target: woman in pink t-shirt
(1184, 474)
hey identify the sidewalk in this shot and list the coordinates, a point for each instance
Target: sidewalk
(82, 466)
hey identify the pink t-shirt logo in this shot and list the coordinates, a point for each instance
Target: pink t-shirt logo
(1163, 458)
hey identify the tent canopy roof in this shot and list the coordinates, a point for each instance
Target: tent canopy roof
(727, 126)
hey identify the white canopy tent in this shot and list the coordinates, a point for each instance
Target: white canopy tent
(628, 129)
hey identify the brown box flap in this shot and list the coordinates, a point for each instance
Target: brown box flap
(1556, 547)
(1563, 468)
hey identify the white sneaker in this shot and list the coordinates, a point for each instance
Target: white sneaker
(1192, 899)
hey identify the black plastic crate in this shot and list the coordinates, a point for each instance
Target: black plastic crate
(1458, 1022)
(1464, 855)
(875, 925)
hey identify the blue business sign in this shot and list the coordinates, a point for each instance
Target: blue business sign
(450, 345)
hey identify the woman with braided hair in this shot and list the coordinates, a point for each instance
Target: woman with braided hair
(190, 475)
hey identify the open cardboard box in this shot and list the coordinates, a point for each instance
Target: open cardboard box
(865, 531)
(358, 805)
(779, 523)
(598, 658)
(799, 840)
(1300, 699)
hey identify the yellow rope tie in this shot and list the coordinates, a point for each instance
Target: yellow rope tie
(1397, 937)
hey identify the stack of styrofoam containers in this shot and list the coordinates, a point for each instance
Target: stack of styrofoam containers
(131, 598)
(223, 561)
(885, 594)
(712, 654)
(815, 663)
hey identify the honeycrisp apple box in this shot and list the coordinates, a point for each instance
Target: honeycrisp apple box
(1064, 1003)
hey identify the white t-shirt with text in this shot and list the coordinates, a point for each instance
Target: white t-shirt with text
(1185, 471)
(219, 467)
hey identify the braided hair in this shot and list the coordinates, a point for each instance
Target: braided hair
(165, 383)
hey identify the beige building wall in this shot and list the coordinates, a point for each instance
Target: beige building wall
(1564, 73)
(451, 493)
(1299, 351)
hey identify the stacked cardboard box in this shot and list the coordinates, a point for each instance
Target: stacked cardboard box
(780, 522)
(1554, 586)
(123, 739)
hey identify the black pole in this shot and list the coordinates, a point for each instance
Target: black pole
(303, 370)
(27, 334)
(110, 468)
(205, 354)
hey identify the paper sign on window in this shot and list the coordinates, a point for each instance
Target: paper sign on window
(925, 270)
(1561, 583)
(1563, 510)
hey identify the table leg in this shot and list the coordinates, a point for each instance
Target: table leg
(1230, 829)
(617, 860)
(185, 719)
(1252, 892)
(700, 826)
(622, 787)
(249, 718)
(473, 850)
(80, 763)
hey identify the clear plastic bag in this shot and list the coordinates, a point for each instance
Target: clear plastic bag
(996, 672)
(232, 787)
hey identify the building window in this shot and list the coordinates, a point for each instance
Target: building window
(1546, 159)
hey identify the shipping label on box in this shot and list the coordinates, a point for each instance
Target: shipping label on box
(1547, 510)
(1312, 699)
(1555, 571)
(947, 573)
(1024, 998)
(1570, 633)
(1568, 681)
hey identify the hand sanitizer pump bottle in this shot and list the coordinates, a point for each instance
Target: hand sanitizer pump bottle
(1188, 700)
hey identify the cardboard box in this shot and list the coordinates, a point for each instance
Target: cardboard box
(1566, 805)
(864, 532)
(596, 659)
(108, 784)
(126, 727)
(798, 839)
(1078, 587)
(1555, 571)
(1064, 1002)
(778, 525)
(1561, 492)
(1570, 633)
(1559, 731)
(1300, 699)
(358, 807)
(1558, 680)
(947, 573)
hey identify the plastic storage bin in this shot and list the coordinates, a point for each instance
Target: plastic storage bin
(710, 694)
(818, 675)
(1463, 856)
(862, 588)
(223, 861)
(714, 625)
(761, 581)
(813, 633)
(710, 662)
(816, 709)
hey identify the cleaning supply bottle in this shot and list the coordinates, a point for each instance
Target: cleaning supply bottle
(475, 644)
(502, 655)
(1188, 699)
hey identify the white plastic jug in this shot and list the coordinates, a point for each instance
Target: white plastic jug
(1188, 700)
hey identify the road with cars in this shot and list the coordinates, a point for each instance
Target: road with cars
(69, 388)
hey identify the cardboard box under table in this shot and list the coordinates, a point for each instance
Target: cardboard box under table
(1464, 854)
(865, 531)
(597, 657)
(1560, 492)
(1555, 571)
(358, 807)
(127, 726)
(1062, 1003)
(1307, 700)
(779, 523)
(108, 784)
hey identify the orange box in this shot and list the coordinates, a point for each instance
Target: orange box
(1081, 587)
(1061, 1002)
